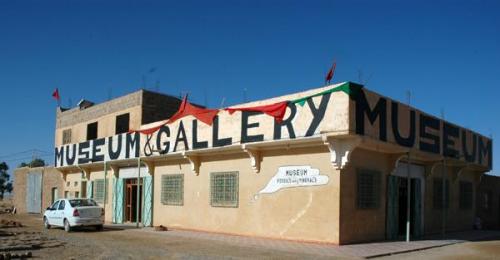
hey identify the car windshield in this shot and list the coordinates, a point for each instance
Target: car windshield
(82, 203)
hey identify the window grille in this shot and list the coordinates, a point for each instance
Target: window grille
(466, 195)
(438, 193)
(368, 189)
(99, 190)
(66, 136)
(172, 189)
(224, 189)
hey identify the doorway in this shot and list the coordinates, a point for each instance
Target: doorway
(397, 202)
(83, 189)
(54, 196)
(131, 200)
(498, 213)
(403, 203)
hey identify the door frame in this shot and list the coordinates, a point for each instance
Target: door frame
(417, 171)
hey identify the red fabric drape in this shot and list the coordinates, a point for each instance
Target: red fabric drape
(202, 114)
(150, 130)
(276, 110)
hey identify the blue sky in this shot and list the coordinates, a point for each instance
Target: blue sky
(446, 52)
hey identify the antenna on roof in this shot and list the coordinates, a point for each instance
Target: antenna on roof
(361, 79)
(222, 102)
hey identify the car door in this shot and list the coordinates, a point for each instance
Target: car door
(60, 213)
(50, 214)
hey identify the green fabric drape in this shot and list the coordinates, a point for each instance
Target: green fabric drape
(349, 88)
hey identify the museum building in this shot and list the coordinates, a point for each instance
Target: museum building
(324, 165)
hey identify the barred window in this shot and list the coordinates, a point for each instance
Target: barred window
(368, 189)
(99, 190)
(438, 193)
(224, 189)
(466, 195)
(66, 136)
(172, 189)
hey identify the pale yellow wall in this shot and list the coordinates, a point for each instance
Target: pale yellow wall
(373, 131)
(361, 225)
(357, 225)
(303, 213)
(72, 178)
(335, 120)
(105, 126)
(107, 205)
(456, 218)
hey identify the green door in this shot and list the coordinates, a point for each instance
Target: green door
(90, 189)
(392, 208)
(118, 200)
(148, 201)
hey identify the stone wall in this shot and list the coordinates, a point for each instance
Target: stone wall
(157, 107)
(51, 178)
(75, 115)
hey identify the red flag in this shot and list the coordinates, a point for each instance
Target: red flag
(55, 94)
(329, 76)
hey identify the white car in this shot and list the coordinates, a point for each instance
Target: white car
(69, 213)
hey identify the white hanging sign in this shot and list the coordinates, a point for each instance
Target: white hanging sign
(294, 176)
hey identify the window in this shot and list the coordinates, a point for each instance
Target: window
(92, 131)
(99, 190)
(68, 183)
(61, 205)
(66, 136)
(75, 183)
(466, 194)
(368, 189)
(438, 193)
(224, 189)
(55, 205)
(77, 194)
(486, 200)
(172, 189)
(82, 203)
(122, 123)
(66, 194)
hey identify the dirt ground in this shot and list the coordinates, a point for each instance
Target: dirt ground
(130, 243)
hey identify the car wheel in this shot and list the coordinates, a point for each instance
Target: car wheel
(67, 227)
(98, 227)
(46, 223)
